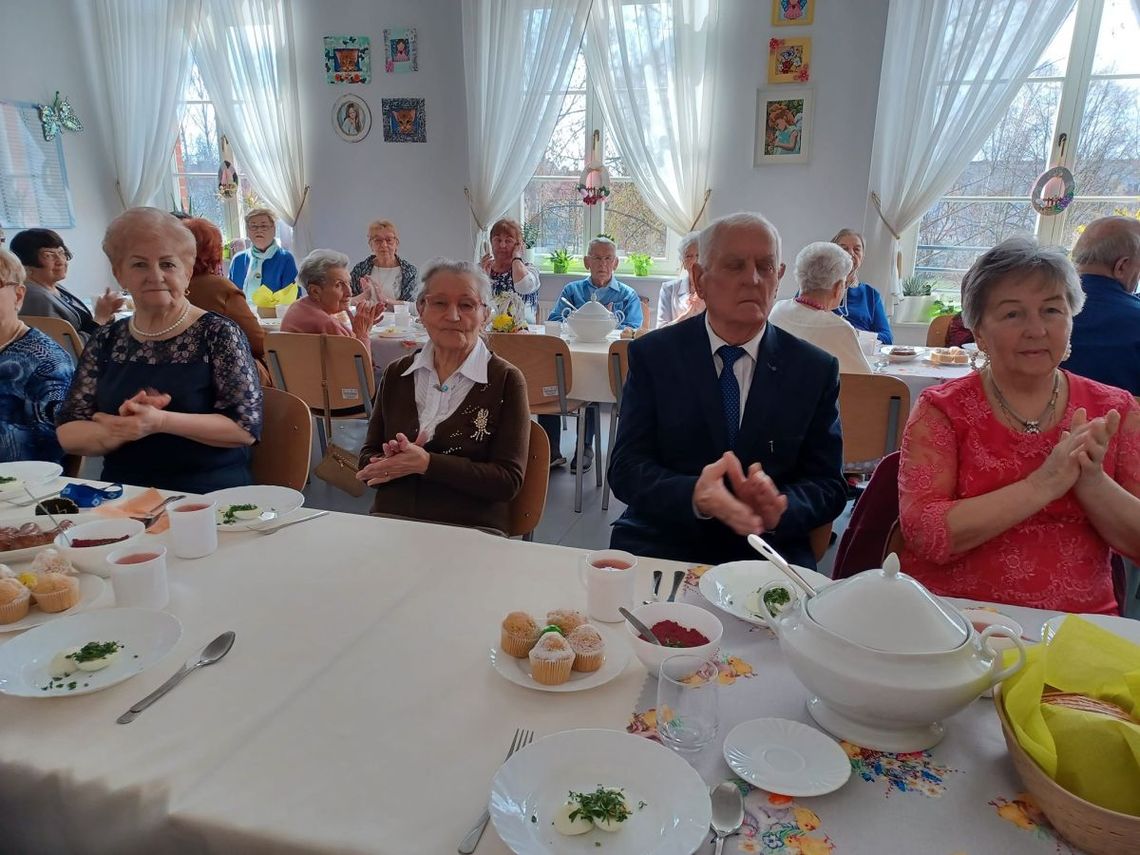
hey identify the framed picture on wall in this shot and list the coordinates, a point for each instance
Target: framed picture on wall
(348, 59)
(400, 51)
(788, 60)
(792, 13)
(783, 126)
(405, 120)
(352, 120)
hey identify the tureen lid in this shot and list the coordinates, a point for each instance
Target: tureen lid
(592, 309)
(890, 611)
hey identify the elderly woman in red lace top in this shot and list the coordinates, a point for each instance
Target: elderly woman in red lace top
(1017, 481)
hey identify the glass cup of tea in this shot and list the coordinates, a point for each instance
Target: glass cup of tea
(138, 576)
(688, 706)
(193, 528)
(608, 576)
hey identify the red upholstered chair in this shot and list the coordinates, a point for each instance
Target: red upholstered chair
(876, 511)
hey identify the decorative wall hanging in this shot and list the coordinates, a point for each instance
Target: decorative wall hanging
(783, 126)
(57, 117)
(792, 13)
(33, 178)
(400, 52)
(594, 180)
(1053, 191)
(404, 119)
(788, 60)
(348, 59)
(352, 120)
(227, 173)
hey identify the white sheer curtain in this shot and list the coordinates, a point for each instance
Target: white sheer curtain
(517, 59)
(245, 51)
(141, 55)
(653, 64)
(951, 68)
(1136, 8)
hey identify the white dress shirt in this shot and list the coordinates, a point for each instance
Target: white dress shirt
(435, 401)
(744, 367)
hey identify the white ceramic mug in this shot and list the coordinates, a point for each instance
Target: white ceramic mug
(138, 576)
(608, 576)
(193, 528)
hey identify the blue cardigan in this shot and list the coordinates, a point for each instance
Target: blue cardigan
(276, 273)
(1106, 335)
(865, 312)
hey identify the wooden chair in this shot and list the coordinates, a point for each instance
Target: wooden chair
(644, 315)
(295, 361)
(545, 362)
(618, 363)
(895, 542)
(936, 332)
(526, 507)
(282, 457)
(873, 409)
(820, 540)
(59, 331)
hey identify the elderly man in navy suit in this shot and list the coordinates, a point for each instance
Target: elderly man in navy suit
(728, 424)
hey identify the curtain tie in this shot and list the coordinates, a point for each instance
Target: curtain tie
(878, 203)
(701, 212)
(471, 205)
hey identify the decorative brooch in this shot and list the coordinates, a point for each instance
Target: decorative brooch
(482, 419)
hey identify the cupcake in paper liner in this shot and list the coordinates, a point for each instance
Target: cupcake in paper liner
(56, 592)
(551, 660)
(15, 600)
(589, 648)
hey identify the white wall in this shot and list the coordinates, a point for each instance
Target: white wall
(39, 53)
(808, 201)
(419, 186)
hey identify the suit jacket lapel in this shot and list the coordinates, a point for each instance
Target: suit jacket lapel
(697, 363)
(765, 388)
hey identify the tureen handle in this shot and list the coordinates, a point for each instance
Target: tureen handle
(619, 316)
(774, 617)
(1006, 632)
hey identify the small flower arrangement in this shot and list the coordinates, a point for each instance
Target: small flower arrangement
(510, 313)
(593, 195)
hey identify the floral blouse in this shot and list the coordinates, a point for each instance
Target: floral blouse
(956, 448)
(34, 375)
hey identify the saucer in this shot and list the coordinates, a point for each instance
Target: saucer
(786, 757)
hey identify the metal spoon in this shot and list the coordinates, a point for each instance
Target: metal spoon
(657, 574)
(639, 626)
(678, 578)
(48, 514)
(727, 812)
(210, 654)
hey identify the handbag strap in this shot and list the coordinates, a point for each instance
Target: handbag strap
(325, 387)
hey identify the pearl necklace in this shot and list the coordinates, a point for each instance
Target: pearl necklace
(19, 332)
(812, 304)
(160, 333)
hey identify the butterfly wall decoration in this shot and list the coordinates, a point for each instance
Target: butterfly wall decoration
(57, 117)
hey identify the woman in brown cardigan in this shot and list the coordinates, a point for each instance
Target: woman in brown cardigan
(449, 436)
(213, 292)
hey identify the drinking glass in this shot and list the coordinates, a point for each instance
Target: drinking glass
(688, 712)
(882, 360)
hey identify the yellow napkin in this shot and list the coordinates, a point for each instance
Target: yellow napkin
(138, 506)
(1090, 755)
(265, 298)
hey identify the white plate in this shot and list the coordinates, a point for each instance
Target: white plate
(392, 332)
(928, 357)
(518, 670)
(785, 757)
(889, 350)
(31, 473)
(535, 781)
(90, 589)
(29, 552)
(274, 502)
(728, 586)
(24, 661)
(1124, 627)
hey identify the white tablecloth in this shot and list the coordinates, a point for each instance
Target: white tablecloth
(920, 374)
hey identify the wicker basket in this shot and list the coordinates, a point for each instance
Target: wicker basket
(1096, 830)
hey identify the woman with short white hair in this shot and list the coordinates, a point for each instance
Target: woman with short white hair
(677, 301)
(324, 276)
(821, 274)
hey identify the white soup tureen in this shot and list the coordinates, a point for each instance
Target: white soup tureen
(592, 321)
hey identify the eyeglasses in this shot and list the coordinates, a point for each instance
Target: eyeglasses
(259, 227)
(373, 240)
(61, 254)
(604, 259)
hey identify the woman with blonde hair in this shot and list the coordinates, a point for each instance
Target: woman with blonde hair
(383, 277)
(266, 263)
(508, 272)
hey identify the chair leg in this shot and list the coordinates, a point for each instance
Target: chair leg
(321, 436)
(609, 451)
(528, 537)
(597, 417)
(578, 455)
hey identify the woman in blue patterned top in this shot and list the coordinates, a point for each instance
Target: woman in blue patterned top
(34, 375)
(170, 397)
(508, 272)
(862, 307)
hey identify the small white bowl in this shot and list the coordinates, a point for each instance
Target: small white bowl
(93, 559)
(692, 617)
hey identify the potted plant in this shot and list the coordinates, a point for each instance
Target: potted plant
(530, 238)
(916, 301)
(943, 307)
(560, 260)
(641, 262)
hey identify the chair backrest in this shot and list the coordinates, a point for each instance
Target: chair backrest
(282, 457)
(873, 409)
(527, 505)
(895, 542)
(820, 540)
(72, 464)
(618, 363)
(295, 360)
(544, 361)
(644, 314)
(59, 331)
(861, 546)
(936, 332)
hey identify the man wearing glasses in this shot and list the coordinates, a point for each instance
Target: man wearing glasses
(601, 260)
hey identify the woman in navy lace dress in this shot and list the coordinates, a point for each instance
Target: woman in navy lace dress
(170, 397)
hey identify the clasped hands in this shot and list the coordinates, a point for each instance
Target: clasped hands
(139, 416)
(401, 457)
(747, 503)
(1077, 459)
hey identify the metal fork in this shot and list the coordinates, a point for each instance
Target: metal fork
(154, 514)
(467, 845)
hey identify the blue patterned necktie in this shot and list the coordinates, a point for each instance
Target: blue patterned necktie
(730, 389)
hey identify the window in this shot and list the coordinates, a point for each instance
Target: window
(195, 161)
(1087, 88)
(552, 210)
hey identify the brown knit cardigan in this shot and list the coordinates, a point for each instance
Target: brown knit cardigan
(478, 453)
